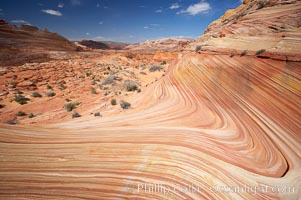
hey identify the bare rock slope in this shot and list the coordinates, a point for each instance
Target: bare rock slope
(271, 25)
(28, 43)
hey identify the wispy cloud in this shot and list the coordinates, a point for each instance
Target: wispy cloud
(20, 21)
(198, 8)
(152, 26)
(75, 2)
(105, 7)
(1, 10)
(101, 22)
(52, 12)
(146, 27)
(142, 6)
(40, 4)
(61, 5)
(174, 6)
(159, 11)
(98, 5)
(87, 33)
(131, 36)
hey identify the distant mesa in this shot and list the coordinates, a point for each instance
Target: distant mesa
(105, 45)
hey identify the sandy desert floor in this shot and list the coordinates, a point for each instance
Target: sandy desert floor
(211, 122)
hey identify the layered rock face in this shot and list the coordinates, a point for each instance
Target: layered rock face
(19, 45)
(166, 44)
(272, 25)
(31, 38)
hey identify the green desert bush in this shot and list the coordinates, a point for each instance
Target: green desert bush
(125, 105)
(51, 94)
(20, 114)
(75, 115)
(31, 115)
(243, 53)
(260, 52)
(21, 99)
(36, 94)
(97, 114)
(113, 102)
(70, 106)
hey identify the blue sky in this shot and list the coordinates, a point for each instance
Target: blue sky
(117, 20)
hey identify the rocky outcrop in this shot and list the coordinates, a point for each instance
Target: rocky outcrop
(273, 25)
(165, 44)
(19, 45)
(30, 37)
(105, 45)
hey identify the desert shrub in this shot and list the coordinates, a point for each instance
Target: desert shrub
(131, 87)
(49, 87)
(93, 82)
(70, 106)
(68, 100)
(2, 106)
(11, 122)
(124, 104)
(143, 73)
(113, 102)
(198, 48)
(154, 68)
(245, 52)
(88, 74)
(51, 94)
(20, 114)
(107, 93)
(21, 99)
(75, 115)
(163, 63)
(232, 54)
(81, 76)
(93, 91)
(261, 5)
(36, 94)
(31, 115)
(14, 84)
(260, 52)
(97, 114)
(139, 90)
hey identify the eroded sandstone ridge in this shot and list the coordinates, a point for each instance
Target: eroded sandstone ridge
(28, 43)
(207, 125)
(270, 25)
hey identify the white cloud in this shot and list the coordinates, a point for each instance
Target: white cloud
(101, 22)
(52, 12)
(131, 36)
(159, 11)
(146, 27)
(40, 4)
(142, 6)
(198, 8)
(87, 33)
(174, 6)
(105, 7)
(75, 2)
(97, 5)
(19, 21)
(1, 10)
(61, 5)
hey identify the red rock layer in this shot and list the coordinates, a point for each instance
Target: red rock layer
(212, 121)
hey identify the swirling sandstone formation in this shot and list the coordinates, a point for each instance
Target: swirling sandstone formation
(211, 122)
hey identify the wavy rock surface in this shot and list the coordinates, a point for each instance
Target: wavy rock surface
(212, 121)
(273, 25)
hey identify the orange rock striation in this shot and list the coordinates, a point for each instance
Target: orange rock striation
(272, 25)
